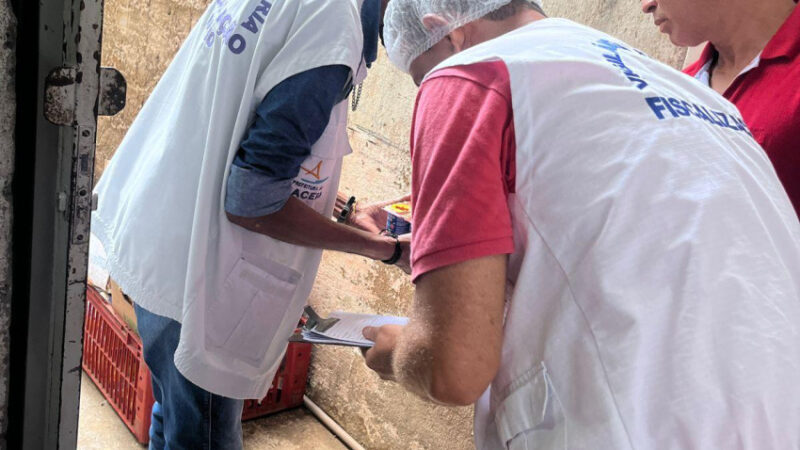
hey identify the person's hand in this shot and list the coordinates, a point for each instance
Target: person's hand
(379, 358)
(405, 259)
(372, 218)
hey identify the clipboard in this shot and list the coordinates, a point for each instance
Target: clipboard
(341, 328)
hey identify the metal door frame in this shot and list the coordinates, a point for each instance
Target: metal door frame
(58, 67)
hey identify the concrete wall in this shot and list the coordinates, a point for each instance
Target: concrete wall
(140, 38)
(8, 114)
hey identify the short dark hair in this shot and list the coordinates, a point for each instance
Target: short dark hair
(511, 9)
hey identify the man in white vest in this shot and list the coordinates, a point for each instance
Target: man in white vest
(216, 207)
(604, 258)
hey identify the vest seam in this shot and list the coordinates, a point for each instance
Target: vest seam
(583, 313)
(117, 268)
(471, 81)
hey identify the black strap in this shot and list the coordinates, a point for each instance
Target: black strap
(398, 252)
(346, 211)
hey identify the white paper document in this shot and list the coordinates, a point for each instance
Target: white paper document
(348, 329)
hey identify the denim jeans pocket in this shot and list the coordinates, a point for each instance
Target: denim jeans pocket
(252, 307)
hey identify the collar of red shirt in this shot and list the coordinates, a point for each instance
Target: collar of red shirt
(785, 43)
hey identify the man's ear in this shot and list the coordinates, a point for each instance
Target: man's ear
(458, 39)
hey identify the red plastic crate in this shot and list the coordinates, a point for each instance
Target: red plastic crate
(112, 357)
(287, 388)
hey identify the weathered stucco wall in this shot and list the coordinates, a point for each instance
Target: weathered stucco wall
(623, 20)
(141, 37)
(8, 114)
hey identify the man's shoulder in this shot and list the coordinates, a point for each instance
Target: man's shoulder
(341, 12)
(489, 75)
(348, 5)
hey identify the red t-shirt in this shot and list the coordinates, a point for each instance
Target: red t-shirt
(768, 97)
(462, 151)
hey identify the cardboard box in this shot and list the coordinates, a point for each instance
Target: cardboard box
(122, 305)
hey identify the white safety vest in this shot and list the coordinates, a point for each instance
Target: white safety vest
(161, 214)
(654, 298)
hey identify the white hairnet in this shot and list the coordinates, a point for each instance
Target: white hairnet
(406, 37)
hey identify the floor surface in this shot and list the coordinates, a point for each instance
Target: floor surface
(100, 428)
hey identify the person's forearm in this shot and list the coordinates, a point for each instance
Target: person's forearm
(450, 350)
(298, 224)
(413, 361)
(421, 367)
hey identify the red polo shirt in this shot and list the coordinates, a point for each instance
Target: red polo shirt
(768, 97)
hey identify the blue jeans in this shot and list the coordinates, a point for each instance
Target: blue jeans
(184, 416)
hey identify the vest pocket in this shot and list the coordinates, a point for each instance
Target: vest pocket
(531, 416)
(251, 308)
